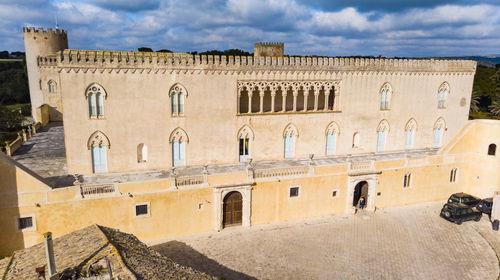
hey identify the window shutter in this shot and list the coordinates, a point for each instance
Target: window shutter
(181, 103)
(330, 144)
(182, 152)
(380, 141)
(95, 159)
(103, 160)
(174, 103)
(382, 100)
(437, 137)
(92, 105)
(100, 105)
(292, 145)
(175, 152)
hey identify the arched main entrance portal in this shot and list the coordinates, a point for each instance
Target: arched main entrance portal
(232, 209)
(360, 190)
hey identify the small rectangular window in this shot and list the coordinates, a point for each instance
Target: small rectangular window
(294, 192)
(142, 210)
(25, 223)
(334, 193)
(453, 175)
(407, 180)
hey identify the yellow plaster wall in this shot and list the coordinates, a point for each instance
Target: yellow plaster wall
(271, 201)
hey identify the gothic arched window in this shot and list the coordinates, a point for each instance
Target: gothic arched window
(443, 91)
(245, 136)
(331, 138)
(382, 130)
(142, 152)
(289, 135)
(177, 96)
(95, 95)
(439, 127)
(52, 86)
(178, 139)
(385, 96)
(355, 140)
(98, 144)
(411, 127)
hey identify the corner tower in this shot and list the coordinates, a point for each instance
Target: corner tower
(40, 42)
(269, 49)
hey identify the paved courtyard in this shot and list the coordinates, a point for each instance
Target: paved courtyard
(410, 242)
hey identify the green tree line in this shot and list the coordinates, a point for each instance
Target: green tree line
(485, 101)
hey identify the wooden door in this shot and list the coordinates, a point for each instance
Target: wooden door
(233, 209)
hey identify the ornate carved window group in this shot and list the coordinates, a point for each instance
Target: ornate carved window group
(257, 97)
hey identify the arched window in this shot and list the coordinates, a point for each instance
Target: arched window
(439, 128)
(177, 95)
(332, 131)
(178, 139)
(142, 152)
(411, 127)
(385, 96)
(382, 130)
(443, 91)
(453, 175)
(492, 149)
(245, 136)
(355, 140)
(95, 95)
(52, 86)
(98, 143)
(289, 135)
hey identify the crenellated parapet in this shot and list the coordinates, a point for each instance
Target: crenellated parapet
(85, 59)
(41, 31)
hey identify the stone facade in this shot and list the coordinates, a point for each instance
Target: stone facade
(266, 94)
(294, 136)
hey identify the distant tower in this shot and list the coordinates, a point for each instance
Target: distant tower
(269, 49)
(40, 43)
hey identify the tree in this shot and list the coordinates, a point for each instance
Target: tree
(495, 107)
(10, 120)
(474, 103)
(164, 51)
(145, 49)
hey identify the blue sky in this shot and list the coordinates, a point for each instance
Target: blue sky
(320, 27)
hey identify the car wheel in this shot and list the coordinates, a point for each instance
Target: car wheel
(477, 219)
(458, 222)
(447, 214)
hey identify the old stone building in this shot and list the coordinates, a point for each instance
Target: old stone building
(167, 144)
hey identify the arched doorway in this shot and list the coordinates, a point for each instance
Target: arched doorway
(360, 190)
(232, 209)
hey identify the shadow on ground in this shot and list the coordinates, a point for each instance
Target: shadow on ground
(183, 254)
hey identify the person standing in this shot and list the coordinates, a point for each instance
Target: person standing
(362, 202)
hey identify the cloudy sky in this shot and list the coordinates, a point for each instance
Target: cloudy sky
(321, 27)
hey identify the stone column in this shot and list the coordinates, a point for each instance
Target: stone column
(327, 94)
(249, 102)
(273, 95)
(336, 100)
(238, 102)
(261, 95)
(7, 149)
(295, 93)
(23, 135)
(306, 95)
(316, 94)
(283, 106)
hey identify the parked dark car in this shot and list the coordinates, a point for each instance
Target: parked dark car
(485, 205)
(459, 212)
(464, 198)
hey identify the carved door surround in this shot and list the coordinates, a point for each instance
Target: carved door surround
(220, 193)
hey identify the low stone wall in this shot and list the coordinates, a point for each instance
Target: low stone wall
(23, 137)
